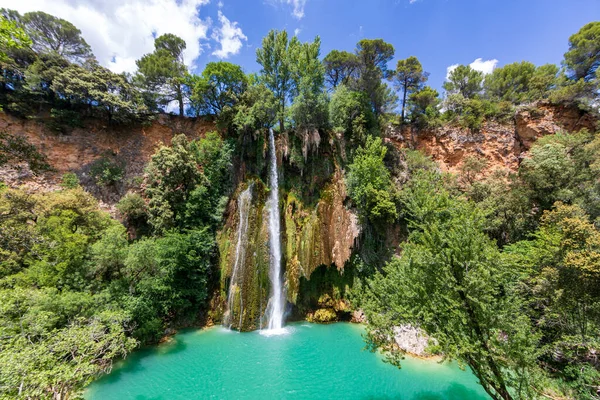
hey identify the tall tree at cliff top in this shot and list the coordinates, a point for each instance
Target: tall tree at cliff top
(452, 281)
(275, 59)
(219, 87)
(340, 68)
(163, 72)
(465, 81)
(409, 77)
(51, 34)
(374, 55)
(309, 107)
(583, 57)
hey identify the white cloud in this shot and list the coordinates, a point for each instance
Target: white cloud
(297, 31)
(299, 5)
(120, 32)
(484, 66)
(479, 64)
(229, 36)
(220, 4)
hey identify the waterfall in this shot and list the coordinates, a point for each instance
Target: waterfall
(235, 285)
(276, 302)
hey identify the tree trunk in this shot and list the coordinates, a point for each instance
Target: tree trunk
(180, 99)
(500, 388)
(403, 103)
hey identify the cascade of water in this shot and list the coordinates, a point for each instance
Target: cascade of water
(275, 308)
(235, 285)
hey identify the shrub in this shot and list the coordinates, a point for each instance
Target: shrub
(107, 172)
(69, 181)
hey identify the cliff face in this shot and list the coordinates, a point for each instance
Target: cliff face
(502, 146)
(321, 235)
(318, 229)
(76, 151)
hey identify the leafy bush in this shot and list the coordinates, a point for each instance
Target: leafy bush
(107, 172)
(69, 181)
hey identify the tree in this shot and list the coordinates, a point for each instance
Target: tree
(543, 81)
(369, 183)
(451, 281)
(171, 175)
(219, 88)
(276, 67)
(340, 68)
(257, 109)
(11, 37)
(511, 82)
(56, 35)
(163, 72)
(465, 81)
(98, 87)
(583, 57)
(373, 56)
(309, 106)
(409, 78)
(350, 114)
(424, 107)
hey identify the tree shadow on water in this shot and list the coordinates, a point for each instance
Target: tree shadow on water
(454, 392)
(133, 364)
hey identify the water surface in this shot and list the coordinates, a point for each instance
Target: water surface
(310, 362)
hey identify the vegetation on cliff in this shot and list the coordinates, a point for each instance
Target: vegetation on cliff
(502, 271)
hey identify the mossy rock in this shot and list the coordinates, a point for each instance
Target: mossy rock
(323, 315)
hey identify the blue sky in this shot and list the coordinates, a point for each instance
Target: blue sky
(439, 32)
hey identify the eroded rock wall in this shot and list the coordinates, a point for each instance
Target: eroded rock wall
(502, 145)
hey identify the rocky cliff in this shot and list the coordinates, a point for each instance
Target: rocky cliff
(77, 149)
(501, 145)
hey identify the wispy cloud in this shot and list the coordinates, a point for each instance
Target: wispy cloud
(229, 36)
(298, 6)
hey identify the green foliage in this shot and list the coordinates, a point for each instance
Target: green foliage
(218, 89)
(104, 89)
(341, 68)
(409, 78)
(185, 183)
(69, 181)
(275, 58)
(424, 108)
(521, 82)
(373, 56)
(350, 113)
(369, 183)
(15, 150)
(257, 109)
(309, 110)
(452, 281)
(56, 35)
(63, 119)
(465, 81)
(162, 73)
(106, 171)
(11, 37)
(133, 211)
(583, 57)
(562, 261)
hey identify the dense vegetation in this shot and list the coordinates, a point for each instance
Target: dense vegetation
(504, 272)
